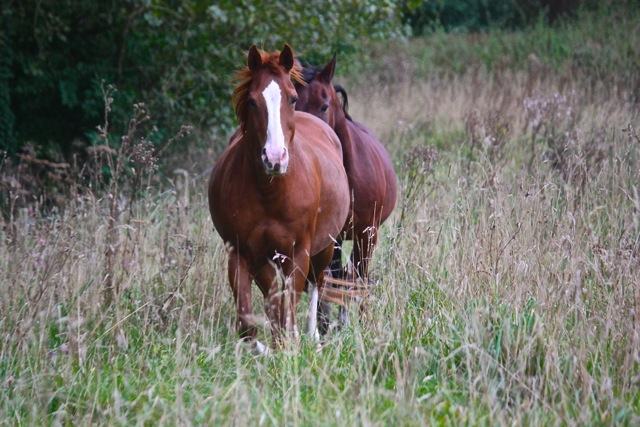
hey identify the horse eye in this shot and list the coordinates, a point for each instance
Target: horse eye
(252, 102)
(294, 99)
(324, 108)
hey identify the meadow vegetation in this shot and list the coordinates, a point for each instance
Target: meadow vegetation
(504, 288)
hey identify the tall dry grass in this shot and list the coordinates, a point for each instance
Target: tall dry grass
(504, 288)
(524, 245)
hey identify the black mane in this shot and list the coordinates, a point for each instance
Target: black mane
(310, 72)
(345, 100)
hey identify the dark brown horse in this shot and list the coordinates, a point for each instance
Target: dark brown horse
(372, 179)
(278, 195)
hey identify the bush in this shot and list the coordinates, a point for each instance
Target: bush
(176, 56)
(475, 15)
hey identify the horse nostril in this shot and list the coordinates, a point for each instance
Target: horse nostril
(269, 165)
(276, 168)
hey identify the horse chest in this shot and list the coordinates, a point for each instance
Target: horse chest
(260, 225)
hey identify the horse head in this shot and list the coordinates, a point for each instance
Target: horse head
(319, 97)
(264, 101)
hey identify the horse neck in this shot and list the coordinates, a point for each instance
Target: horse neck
(341, 128)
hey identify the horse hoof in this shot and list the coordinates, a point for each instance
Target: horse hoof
(260, 349)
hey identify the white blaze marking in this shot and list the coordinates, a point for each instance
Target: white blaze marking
(275, 136)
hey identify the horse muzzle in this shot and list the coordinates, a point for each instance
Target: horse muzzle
(275, 164)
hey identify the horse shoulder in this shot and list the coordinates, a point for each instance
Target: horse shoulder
(222, 174)
(229, 189)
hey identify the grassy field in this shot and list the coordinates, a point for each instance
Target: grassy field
(505, 289)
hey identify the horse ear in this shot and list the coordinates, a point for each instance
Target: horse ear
(254, 60)
(286, 58)
(326, 75)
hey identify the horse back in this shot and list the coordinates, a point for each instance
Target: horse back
(371, 174)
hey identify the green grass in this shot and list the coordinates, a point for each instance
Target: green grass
(591, 45)
(504, 290)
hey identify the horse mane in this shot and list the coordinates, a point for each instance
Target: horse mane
(310, 72)
(243, 79)
(345, 100)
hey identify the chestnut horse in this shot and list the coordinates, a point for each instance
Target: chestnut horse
(278, 195)
(372, 179)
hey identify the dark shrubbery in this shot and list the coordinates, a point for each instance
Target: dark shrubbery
(423, 16)
(176, 56)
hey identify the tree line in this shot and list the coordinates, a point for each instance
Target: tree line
(177, 56)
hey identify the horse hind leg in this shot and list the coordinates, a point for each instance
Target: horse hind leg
(337, 271)
(363, 248)
(324, 317)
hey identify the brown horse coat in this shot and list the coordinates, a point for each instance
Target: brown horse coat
(372, 179)
(278, 195)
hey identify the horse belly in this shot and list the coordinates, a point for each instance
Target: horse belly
(372, 179)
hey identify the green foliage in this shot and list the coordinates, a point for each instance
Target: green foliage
(424, 16)
(176, 56)
(6, 115)
(467, 15)
(598, 45)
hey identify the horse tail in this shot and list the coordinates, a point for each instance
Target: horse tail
(345, 100)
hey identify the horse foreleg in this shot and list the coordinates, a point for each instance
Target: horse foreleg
(319, 315)
(267, 280)
(295, 270)
(312, 313)
(240, 280)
